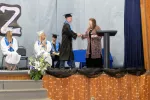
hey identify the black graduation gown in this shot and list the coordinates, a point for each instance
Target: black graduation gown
(66, 43)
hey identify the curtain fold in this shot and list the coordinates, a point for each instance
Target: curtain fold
(133, 35)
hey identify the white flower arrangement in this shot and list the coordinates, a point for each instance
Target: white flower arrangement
(38, 65)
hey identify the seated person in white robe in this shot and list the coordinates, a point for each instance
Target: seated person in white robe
(43, 47)
(9, 47)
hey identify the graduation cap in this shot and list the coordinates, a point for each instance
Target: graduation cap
(54, 35)
(68, 15)
(40, 32)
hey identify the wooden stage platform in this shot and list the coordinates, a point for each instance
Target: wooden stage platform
(80, 87)
(14, 75)
(103, 87)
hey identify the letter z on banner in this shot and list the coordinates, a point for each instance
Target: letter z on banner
(9, 14)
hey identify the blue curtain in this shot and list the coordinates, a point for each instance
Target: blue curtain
(133, 35)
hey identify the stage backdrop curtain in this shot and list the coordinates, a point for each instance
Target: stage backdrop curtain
(36, 15)
(133, 35)
(109, 15)
(47, 15)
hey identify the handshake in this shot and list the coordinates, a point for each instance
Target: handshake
(79, 35)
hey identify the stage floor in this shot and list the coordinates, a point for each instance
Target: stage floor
(14, 72)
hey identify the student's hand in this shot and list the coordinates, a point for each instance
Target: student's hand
(79, 35)
(10, 45)
(57, 54)
(53, 53)
(44, 43)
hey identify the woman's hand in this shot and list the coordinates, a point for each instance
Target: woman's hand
(93, 36)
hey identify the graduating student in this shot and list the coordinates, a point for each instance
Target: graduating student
(43, 47)
(9, 47)
(68, 34)
(55, 51)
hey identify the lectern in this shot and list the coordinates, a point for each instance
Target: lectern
(106, 34)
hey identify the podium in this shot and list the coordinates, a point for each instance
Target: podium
(106, 34)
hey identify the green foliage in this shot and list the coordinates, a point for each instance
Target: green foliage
(35, 75)
(38, 66)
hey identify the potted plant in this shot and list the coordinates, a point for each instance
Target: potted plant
(37, 65)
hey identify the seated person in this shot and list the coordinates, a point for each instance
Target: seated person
(42, 47)
(9, 47)
(55, 51)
